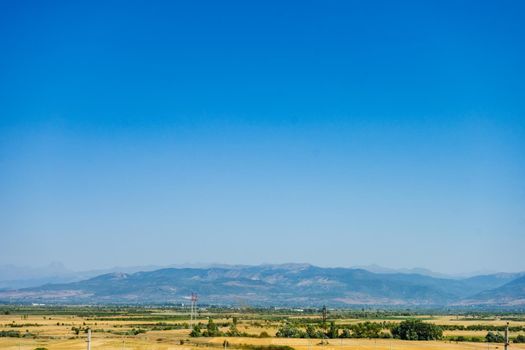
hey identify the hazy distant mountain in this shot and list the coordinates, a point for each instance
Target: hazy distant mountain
(12, 272)
(15, 277)
(12, 276)
(511, 293)
(486, 282)
(416, 270)
(290, 284)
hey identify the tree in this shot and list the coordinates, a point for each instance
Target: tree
(519, 339)
(211, 329)
(333, 331)
(311, 331)
(346, 333)
(196, 332)
(233, 331)
(494, 338)
(417, 330)
(366, 330)
(290, 331)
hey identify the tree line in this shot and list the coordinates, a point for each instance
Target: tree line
(411, 329)
(407, 330)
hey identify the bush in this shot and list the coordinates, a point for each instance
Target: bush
(459, 338)
(136, 331)
(12, 334)
(366, 330)
(212, 330)
(417, 330)
(290, 331)
(264, 347)
(196, 332)
(233, 331)
(312, 332)
(494, 338)
(519, 339)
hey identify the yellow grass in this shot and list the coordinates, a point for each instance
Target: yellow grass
(60, 337)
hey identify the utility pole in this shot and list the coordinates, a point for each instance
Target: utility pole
(324, 316)
(507, 337)
(193, 308)
(89, 339)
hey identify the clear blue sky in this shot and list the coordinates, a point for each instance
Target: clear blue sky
(332, 132)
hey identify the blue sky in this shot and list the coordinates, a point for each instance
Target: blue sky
(338, 133)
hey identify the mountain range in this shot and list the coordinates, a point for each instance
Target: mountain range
(301, 285)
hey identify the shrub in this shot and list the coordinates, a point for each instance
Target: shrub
(12, 334)
(212, 330)
(290, 331)
(494, 338)
(519, 339)
(417, 330)
(196, 332)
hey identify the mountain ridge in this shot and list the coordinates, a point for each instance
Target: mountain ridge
(276, 285)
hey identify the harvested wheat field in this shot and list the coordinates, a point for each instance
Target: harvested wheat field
(143, 343)
(30, 328)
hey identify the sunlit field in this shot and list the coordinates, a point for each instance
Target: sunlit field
(64, 328)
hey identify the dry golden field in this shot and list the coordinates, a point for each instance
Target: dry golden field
(55, 332)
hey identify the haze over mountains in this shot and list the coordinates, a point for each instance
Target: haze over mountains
(15, 277)
(279, 285)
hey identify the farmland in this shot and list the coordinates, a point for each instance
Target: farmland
(28, 328)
